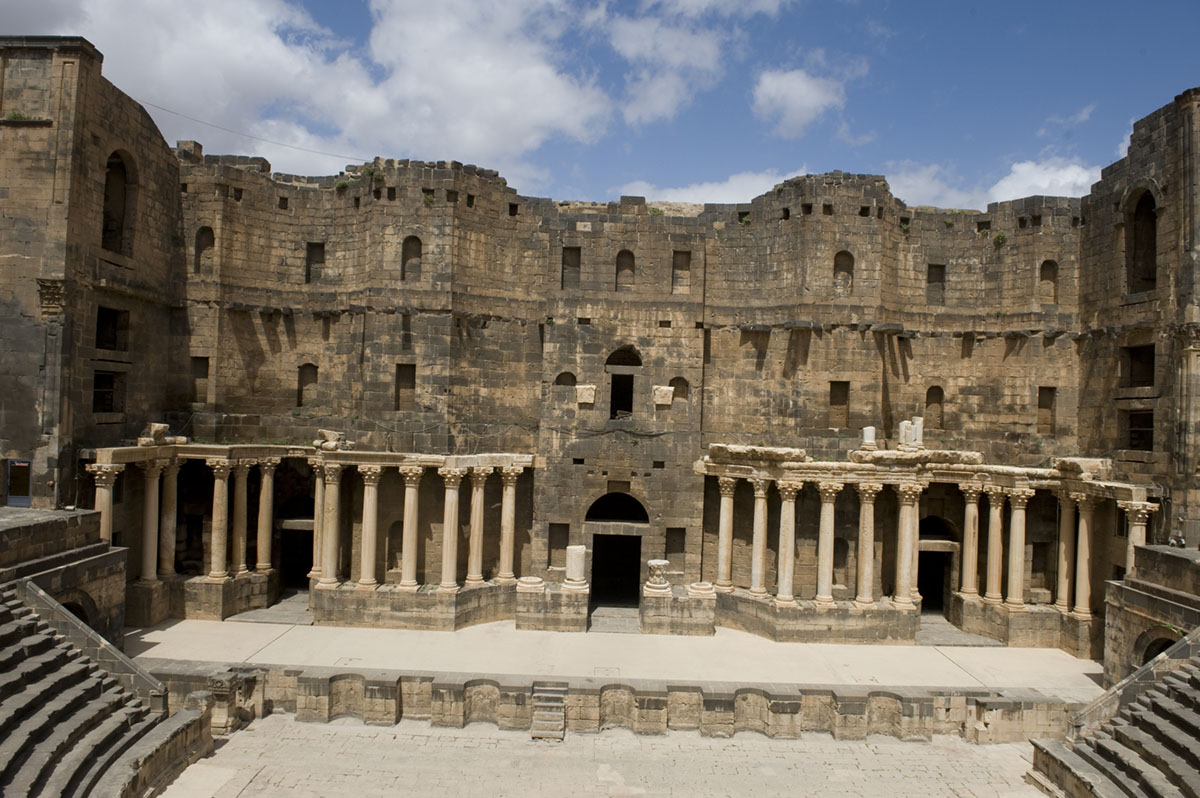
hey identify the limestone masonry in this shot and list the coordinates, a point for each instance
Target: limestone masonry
(437, 402)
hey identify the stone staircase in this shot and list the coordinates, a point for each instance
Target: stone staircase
(1150, 747)
(549, 711)
(67, 727)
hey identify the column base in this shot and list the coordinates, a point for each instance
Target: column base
(408, 587)
(785, 602)
(474, 581)
(1081, 615)
(241, 572)
(448, 590)
(992, 600)
(366, 586)
(864, 604)
(315, 573)
(505, 579)
(824, 603)
(905, 603)
(1063, 608)
(328, 584)
(217, 579)
(968, 595)
(1015, 606)
(723, 587)
(757, 592)
(262, 568)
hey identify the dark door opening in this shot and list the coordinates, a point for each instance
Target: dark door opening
(616, 570)
(933, 576)
(621, 401)
(295, 558)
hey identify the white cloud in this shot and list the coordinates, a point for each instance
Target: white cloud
(791, 100)
(1058, 122)
(1053, 177)
(696, 8)
(740, 187)
(463, 79)
(932, 184)
(1123, 145)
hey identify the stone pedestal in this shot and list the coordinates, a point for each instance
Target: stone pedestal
(680, 611)
(146, 603)
(548, 608)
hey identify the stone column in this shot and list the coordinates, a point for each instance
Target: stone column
(758, 545)
(575, 581)
(784, 596)
(724, 581)
(1017, 498)
(479, 475)
(508, 522)
(866, 544)
(969, 588)
(1137, 514)
(151, 469)
(408, 541)
(1083, 556)
(370, 523)
(909, 496)
(1066, 551)
(218, 571)
(995, 544)
(451, 477)
(266, 513)
(318, 467)
(168, 510)
(105, 476)
(331, 525)
(240, 469)
(829, 492)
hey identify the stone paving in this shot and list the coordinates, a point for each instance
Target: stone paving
(276, 756)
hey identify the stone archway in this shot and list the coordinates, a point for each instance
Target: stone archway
(614, 526)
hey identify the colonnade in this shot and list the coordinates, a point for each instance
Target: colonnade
(326, 526)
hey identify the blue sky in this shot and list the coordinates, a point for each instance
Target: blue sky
(957, 103)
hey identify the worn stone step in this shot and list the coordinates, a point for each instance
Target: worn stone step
(1176, 714)
(1086, 749)
(95, 766)
(63, 738)
(1052, 759)
(37, 692)
(33, 730)
(1127, 760)
(1182, 691)
(58, 779)
(29, 646)
(1174, 768)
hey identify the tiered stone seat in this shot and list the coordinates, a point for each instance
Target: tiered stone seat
(63, 720)
(1150, 748)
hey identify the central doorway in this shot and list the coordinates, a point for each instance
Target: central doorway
(616, 570)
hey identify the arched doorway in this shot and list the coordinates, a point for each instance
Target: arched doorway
(937, 561)
(1157, 647)
(616, 522)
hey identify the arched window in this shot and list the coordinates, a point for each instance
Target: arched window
(1141, 245)
(306, 385)
(622, 365)
(410, 258)
(617, 507)
(934, 398)
(843, 274)
(625, 270)
(115, 221)
(203, 251)
(1048, 283)
(565, 378)
(682, 389)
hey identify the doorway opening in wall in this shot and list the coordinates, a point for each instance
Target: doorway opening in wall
(933, 580)
(295, 554)
(616, 570)
(19, 483)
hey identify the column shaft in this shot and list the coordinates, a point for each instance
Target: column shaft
(1066, 552)
(1018, 498)
(167, 514)
(784, 593)
(995, 544)
(318, 515)
(970, 550)
(866, 544)
(331, 526)
(452, 477)
(370, 521)
(151, 471)
(218, 571)
(408, 542)
(475, 541)
(724, 581)
(508, 522)
(829, 492)
(758, 546)
(909, 496)
(240, 470)
(105, 476)
(266, 514)
(1083, 556)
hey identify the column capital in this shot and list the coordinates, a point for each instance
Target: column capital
(452, 476)
(152, 468)
(971, 491)
(268, 464)
(867, 490)
(105, 474)
(727, 485)
(1019, 497)
(909, 492)
(242, 467)
(1086, 501)
(788, 490)
(1065, 495)
(412, 475)
(333, 473)
(829, 491)
(510, 474)
(761, 485)
(996, 493)
(370, 474)
(1137, 512)
(220, 467)
(480, 473)
(171, 466)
